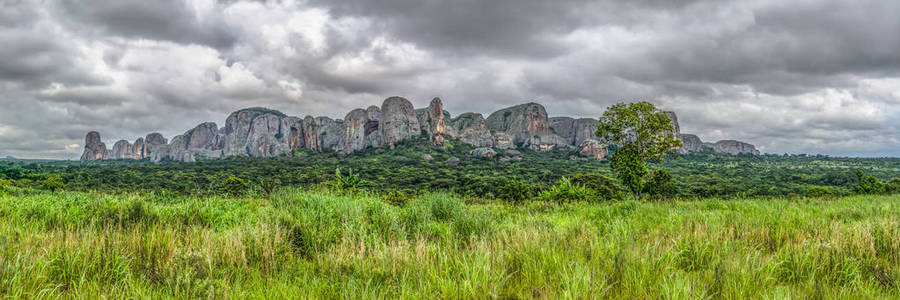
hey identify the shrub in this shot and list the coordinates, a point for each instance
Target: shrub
(659, 184)
(345, 185)
(893, 186)
(564, 191)
(398, 197)
(605, 187)
(515, 191)
(817, 191)
(268, 186)
(234, 186)
(868, 184)
(52, 182)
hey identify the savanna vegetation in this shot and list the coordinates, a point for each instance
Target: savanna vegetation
(392, 223)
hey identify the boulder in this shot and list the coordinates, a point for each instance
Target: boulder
(526, 125)
(692, 144)
(121, 150)
(153, 143)
(452, 160)
(483, 152)
(593, 149)
(734, 147)
(513, 153)
(94, 148)
(257, 132)
(427, 157)
(470, 129)
(398, 121)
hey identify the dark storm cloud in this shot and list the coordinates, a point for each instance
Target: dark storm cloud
(172, 20)
(798, 76)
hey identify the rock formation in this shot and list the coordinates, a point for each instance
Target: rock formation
(734, 147)
(121, 150)
(433, 121)
(470, 129)
(261, 132)
(593, 149)
(94, 148)
(398, 121)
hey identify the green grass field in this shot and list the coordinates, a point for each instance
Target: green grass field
(302, 244)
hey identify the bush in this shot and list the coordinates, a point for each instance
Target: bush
(605, 187)
(52, 182)
(564, 191)
(345, 185)
(515, 191)
(893, 186)
(399, 197)
(234, 186)
(817, 191)
(868, 184)
(659, 184)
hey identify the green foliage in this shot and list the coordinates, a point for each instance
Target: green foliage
(234, 186)
(345, 184)
(53, 183)
(660, 185)
(605, 187)
(564, 191)
(629, 168)
(817, 191)
(893, 186)
(640, 132)
(639, 126)
(269, 186)
(869, 184)
(398, 197)
(514, 191)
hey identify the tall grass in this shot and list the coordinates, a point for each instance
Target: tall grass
(299, 244)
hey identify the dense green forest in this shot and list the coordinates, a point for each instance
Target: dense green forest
(404, 169)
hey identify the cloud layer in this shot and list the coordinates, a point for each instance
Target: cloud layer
(798, 76)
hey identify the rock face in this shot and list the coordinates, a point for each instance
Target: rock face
(433, 122)
(470, 129)
(398, 121)
(137, 149)
(153, 143)
(121, 150)
(575, 131)
(261, 132)
(692, 144)
(734, 147)
(527, 125)
(94, 148)
(323, 134)
(673, 119)
(593, 149)
(257, 132)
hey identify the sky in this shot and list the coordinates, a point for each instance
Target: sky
(787, 76)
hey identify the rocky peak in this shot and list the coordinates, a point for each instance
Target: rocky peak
(434, 122)
(121, 150)
(398, 121)
(94, 148)
(734, 147)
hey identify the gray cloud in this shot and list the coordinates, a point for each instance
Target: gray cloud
(805, 76)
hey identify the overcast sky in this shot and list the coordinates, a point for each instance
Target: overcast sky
(788, 76)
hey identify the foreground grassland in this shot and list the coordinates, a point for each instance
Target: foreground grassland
(317, 244)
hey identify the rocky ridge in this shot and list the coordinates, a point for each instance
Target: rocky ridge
(261, 132)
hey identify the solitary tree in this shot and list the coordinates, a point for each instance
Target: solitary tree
(639, 133)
